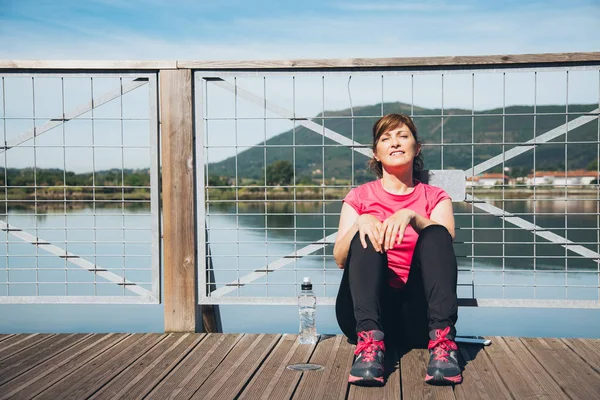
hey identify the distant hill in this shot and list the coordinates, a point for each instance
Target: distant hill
(487, 131)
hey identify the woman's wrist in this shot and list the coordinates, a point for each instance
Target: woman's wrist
(413, 215)
(419, 222)
(413, 219)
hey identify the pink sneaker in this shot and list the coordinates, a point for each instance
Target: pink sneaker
(443, 368)
(368, 369)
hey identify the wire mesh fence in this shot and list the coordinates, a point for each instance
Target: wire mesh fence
(277, 150)
(78, 188)
(282, 149)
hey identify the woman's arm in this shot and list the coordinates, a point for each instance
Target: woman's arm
(394, 226)
(346, 231)
(443, 215)
(350, 224)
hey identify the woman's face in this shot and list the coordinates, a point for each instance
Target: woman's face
(397, 148)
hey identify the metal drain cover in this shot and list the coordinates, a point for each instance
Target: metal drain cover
(305, 367)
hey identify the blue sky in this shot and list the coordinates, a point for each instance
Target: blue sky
(236, 29)
(255, 30)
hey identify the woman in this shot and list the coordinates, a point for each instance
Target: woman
(395, 244)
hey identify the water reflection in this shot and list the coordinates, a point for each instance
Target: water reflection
(117, 239)
(496, 259)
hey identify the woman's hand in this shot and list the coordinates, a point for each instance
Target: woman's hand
(392, 229)
(369, 226)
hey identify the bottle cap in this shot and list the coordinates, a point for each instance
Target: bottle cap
(306, 284)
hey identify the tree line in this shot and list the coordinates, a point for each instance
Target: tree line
(281, 173)
(59, 177)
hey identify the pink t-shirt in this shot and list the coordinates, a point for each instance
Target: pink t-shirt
(372, 198)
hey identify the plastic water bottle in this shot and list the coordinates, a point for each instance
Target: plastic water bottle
(306, 306)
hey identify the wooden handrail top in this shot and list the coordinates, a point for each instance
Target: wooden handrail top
(545, 59)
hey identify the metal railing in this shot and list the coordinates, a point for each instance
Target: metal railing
(277, 146)
(284, 145)
(79, 191)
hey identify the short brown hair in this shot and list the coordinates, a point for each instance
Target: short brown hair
(390, 122)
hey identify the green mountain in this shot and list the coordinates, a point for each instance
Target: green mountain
(468, 140)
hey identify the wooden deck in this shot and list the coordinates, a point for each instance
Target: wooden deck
(250, 366)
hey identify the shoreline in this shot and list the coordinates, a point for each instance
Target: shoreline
(328, 193)
(246, 195)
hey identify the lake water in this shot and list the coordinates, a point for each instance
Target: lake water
(245, 237)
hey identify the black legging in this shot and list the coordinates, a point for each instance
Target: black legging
(365, 300)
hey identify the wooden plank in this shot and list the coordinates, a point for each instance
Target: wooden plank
(12, 340)
(516, 376)
(149, 370)
(577, 379)
(288, 381)
(338, 386)
(237, 368)
(46, 374)
(24, 349)
(537, 371)
(178, 200)
(273, 379)
(325, 351)
(15, 339)
(400, 62)
(5, 336)
(131, 374)
(413, 367)
(391, 390)
(585, 349)
(593, 342)
(93, 375)
(35, 355)
(336, 355)
(190, 374)
(324, 64)
(87, 64)
(23, 344)
(480, 379)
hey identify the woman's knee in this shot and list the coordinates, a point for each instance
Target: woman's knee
(434, 247)
(436, 234)
(360, 257)
(356, 245)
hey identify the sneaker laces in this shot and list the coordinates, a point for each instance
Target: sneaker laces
(368, 346)
(441, 345)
